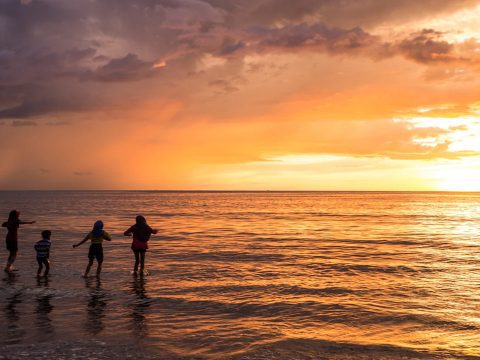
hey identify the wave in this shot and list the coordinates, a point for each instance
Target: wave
(355, 269)
(243, 291)
(304, 313)
(299, 348)
(167, 214)
(286, 349)
(225, 256)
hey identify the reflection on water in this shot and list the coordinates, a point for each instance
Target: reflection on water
(268, 275)
(43, 309)
(96, 306)
(140, 307)
(14, 332)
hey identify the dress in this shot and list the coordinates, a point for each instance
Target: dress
(11, 240)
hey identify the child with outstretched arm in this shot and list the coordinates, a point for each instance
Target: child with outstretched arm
(12, 225)
(97, 235)
(141, 232)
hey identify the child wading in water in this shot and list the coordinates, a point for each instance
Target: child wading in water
(141, 234)
(42, 248)
(97, 235)
(12, 225)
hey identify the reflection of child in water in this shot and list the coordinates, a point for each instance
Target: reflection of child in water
(12, 225)
(141, 232)
(97, 235)
(42, 248)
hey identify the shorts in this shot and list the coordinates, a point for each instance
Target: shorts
(95, 252)
(42, 260)
(139, 245)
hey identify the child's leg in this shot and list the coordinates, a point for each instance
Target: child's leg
(11, 259)
(99, 256)
(87, 270)
(7, 265)
(99, 267)
(39, 271)
(47, 266)
(142, 260)
(135, 267)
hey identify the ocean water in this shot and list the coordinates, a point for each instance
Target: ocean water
(249, 275)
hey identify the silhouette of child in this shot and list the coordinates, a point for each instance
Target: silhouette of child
(12, 225)
(97, 235)
(141, 232)
(42, 248)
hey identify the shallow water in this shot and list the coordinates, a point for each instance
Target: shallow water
(250, 275)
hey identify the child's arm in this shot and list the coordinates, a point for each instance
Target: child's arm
(107, 236)
(152, 231)
(81, 242)
(26, 222)
(129, 231)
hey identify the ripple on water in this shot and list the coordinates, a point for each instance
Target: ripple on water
(249, 276)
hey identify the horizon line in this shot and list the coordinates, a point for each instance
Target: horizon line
(239, 191)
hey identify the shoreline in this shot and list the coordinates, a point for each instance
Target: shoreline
(283, 349)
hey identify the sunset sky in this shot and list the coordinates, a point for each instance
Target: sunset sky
(240, 94)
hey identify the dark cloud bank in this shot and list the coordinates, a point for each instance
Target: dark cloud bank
(62, 56)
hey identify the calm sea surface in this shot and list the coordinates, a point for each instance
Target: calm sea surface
(262, 275)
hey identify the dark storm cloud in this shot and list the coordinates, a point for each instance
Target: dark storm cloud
(31, 108)
(317, 35)
(47, 47)
(54, 52)
(223, 85)
(35, 100)
(128, 68)
(426, 46)
(230, 47)
(36, 65)
(32, 19)
(40, 81)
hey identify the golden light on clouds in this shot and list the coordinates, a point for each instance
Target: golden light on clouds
(358, 96)
(457, 27)
(159, 64)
